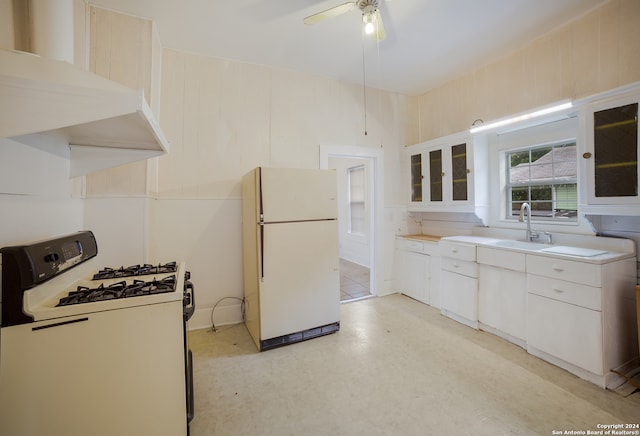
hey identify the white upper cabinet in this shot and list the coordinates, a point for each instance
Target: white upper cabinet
(449, 174)
(610, 156)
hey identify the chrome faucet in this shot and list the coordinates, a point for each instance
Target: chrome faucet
(531, 234)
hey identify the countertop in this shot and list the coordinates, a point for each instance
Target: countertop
(610, 254)
(428, 238)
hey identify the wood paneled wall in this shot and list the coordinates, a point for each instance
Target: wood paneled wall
(122, 48)
(224, 118)
(592, 54)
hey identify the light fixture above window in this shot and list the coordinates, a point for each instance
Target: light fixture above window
(475, 128)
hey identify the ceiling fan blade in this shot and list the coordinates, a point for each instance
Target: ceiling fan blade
(381, 33)
(333, 12)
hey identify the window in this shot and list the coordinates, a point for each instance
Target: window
(357, 206)
(546, 178)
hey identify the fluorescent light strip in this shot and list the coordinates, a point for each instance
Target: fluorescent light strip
(519, 118)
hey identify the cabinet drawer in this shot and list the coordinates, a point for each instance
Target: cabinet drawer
(573, 293)
(469, 269)
(458, 251)
(431, 248)
(577, 272)
(502, 259)
(409, 245)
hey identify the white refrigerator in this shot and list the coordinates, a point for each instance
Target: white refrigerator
(290, 255)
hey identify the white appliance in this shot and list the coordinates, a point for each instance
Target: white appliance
(92, 354)
(290, 253)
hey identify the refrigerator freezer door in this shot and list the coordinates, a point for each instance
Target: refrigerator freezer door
(290, 194)
(301, 286)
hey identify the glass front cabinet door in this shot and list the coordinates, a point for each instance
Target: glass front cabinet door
(416, 178)
(442, 174)
(611, 155)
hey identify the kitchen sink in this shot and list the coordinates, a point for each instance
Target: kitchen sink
(519, 245)
(574, 251)
(545, 248)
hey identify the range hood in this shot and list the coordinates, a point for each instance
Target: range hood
(106, 124)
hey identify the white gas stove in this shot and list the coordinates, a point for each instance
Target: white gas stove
(111, 343)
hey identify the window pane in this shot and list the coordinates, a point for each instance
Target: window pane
(566, 196)
(357, 205)
(519, 167)
(520, 194)
(541, 193)
(519, 158)
(542, 209)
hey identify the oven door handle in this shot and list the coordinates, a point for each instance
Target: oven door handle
(189, 300)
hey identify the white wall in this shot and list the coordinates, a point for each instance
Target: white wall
(207, 235)
(224, 118)
(37, 198)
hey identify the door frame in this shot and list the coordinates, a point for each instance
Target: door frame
(376, 159)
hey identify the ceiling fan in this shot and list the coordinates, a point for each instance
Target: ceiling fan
(370, 16)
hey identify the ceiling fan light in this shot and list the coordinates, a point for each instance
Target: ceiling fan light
(369, 19)
(369, 28)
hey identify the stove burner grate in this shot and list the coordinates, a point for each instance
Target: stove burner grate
(135, 270)
(84, 294)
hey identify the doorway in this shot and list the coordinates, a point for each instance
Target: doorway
(359, 172)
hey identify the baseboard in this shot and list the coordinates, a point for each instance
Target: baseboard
(223, 315)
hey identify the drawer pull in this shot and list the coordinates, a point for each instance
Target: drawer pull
(455, 265)
(453, 250)
(557, 268)
(557, 289)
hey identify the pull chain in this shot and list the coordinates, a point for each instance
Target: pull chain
(364, 86)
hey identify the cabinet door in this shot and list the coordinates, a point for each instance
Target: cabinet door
(502, 300)
(459, 295)
(459, 173)
(413, 271)
(416, 178)
(435, 176)
(612, 154)
(566, 331)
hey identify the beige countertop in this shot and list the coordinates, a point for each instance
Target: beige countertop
(430, 238)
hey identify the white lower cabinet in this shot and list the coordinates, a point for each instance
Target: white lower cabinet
(413, 274)
(459, 282)
(580, 316)
(418, 270)
(502, 293)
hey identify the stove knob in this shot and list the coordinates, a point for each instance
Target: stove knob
(51, 257)
(187, 275)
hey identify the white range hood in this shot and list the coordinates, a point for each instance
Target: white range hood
(106, 124)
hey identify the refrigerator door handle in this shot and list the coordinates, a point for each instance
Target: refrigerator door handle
(261, 224)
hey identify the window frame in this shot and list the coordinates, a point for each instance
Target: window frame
(552, 183)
